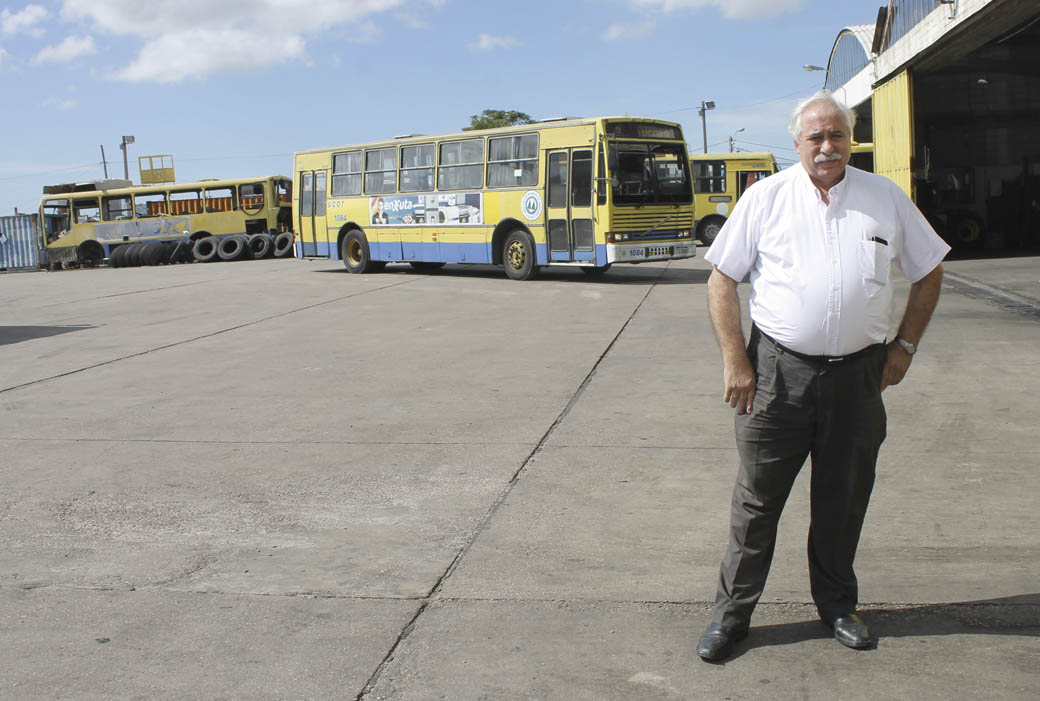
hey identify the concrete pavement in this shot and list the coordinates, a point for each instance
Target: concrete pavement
(277, 480)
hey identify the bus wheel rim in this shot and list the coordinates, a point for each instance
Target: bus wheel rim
(354, 252)
(516, 255)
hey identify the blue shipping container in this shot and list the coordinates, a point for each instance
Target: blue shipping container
(19, 245)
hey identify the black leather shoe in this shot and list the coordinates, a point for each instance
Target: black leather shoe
(852, 632)
(717, 642)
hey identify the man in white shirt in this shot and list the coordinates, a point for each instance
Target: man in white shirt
(817, 240)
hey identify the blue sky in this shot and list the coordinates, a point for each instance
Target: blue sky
(231, 88)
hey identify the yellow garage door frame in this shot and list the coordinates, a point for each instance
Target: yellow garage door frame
(893, 111)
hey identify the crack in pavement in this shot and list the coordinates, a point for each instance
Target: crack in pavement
(485, 520)
(994, 295)
(204, 336)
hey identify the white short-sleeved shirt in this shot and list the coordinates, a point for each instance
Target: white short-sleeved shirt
(820, 273)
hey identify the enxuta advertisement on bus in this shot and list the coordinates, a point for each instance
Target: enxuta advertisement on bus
(406, 210)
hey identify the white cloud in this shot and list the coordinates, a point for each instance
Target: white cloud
(63, 104)
(176, 56)
(73, 47)
(626, 30)
(731, 9)
(195, 38)
(24, 21)
(487, 42)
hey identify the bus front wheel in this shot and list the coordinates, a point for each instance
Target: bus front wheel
(90, 254)
(356, 255)
(518, 256)
(709, 229)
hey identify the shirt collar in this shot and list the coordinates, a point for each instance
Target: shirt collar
(836, 193)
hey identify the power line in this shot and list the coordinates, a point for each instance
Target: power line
(772, 148)
(738, 107)
(70, 169)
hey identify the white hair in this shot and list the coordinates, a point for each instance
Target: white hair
(825, 97)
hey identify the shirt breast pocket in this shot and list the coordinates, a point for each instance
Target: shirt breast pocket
(875, 263)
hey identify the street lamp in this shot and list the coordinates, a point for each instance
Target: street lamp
(731, 138)
(126, 167)
(705, 106)
(810, 67)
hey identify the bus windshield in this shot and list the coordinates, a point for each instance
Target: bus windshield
(648, 173)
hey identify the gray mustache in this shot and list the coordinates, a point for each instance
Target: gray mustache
(822, 157)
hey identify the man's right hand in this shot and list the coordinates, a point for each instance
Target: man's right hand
(739, 378)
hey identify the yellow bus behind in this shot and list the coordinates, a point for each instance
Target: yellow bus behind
(586, 193)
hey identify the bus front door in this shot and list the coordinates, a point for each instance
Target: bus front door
(313, 225)
(568, 210)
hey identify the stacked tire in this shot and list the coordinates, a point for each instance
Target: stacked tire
(129, 255)
(203, 250)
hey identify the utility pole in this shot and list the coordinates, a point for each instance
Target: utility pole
(731, 138)
(709, 105)
(103, 161)
(126, 167)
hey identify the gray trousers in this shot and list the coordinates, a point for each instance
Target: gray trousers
(833, 412)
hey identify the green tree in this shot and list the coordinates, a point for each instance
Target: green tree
(489, 119)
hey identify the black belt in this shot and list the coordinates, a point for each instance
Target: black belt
(820, 359)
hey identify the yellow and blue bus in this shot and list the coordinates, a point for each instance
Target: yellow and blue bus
(85, 223)
(719, 179)
(586, 193)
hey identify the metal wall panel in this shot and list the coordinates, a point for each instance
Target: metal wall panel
(906, 14)
(893, 109)
(19, 244)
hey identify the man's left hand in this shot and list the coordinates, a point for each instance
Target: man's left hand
(896, 365)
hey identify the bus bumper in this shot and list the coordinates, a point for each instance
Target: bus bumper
(645, 253)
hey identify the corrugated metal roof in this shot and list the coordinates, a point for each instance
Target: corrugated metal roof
(863, 32)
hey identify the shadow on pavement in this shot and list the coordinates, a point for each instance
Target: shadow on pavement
(618, 275)
(17, 334)
(1012, 615)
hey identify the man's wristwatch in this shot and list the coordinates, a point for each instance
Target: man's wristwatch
(910, 348)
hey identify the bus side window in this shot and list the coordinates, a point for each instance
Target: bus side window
(117, 207)
(461, 165)
(513, 160)
(186, 202)
(380, 171)
(220, 199)
(86, 211)
(346, 174)
(709, 176)
(417, 168)
(251, 197)
(150, 204)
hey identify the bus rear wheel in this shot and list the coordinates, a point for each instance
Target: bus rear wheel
(709, 228)
(518, 256)
(356, 255)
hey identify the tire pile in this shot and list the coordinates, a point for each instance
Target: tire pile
(204, 250)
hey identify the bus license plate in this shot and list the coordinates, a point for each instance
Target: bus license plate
(659, 251)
